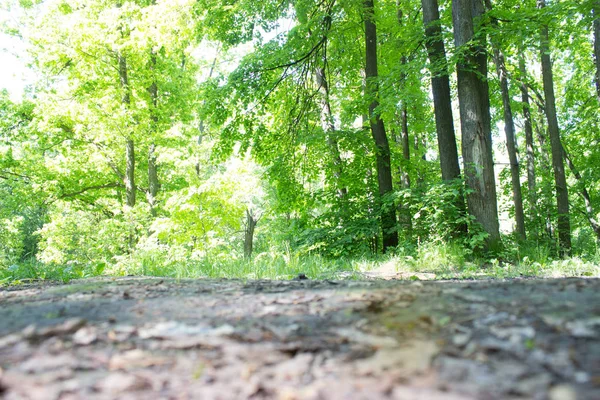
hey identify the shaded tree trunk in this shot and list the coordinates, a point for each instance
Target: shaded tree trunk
(403, 206)
(545, 158)
(382, 147)
(442, 100)
(509, 131)
(562, 195)
(440, 87)
(597, 45)
(130, 147)
(474, 104)
(251, 221)
(531, 185)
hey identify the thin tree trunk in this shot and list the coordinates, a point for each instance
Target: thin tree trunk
(531, 185)
(474, 103)
(153, 183)
(511, 146)
(562, 194)
(405, 142)
(509, 131)
(382, 147)
(251, 222)
(597, 45)
(130, 147)
(403, 206)
(329, 129)
(546, 164)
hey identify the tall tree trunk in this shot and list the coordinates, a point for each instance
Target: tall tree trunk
(509, 131)
(473, 97)
(531, 185)
(540, 129)
(511, 146)
(403, 206)
(153, 183)
(562, 195)
(130, 147)
(251, 221)
(440, 86)
(382, 146)
(329, 129)
(442, 100)
(597, 45)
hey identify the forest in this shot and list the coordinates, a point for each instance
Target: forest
(326, 138)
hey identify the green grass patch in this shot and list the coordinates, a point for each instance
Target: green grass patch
(434, 260)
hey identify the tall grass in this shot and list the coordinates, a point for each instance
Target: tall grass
(433, 260)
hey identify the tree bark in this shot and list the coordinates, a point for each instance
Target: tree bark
(251, 222)
(473, 97)
(153, 183)
(562, 195)
(531, 185)
(382, 146)
(509, 131)
(540, 129)
(440, 87)
(403, 206)
(597, 45)
(130, 187)
(329, 129)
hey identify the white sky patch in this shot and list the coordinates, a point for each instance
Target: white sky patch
(14, 74)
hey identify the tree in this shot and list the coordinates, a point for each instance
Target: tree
(562, 194)
(529, 144)
(596, 26)
(440, 86)
(475, 121)
(382, 147)
(509, 130)
(249, 227)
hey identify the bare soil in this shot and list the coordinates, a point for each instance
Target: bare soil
(152, 338)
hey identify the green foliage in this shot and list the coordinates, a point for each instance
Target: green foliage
(230, 98)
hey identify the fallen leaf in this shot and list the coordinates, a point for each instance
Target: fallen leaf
(413, 357)
(66, 327)
(119, 382)
(85, 336)
(135, 359)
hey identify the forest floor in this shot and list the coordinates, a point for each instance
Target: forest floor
(148, 338)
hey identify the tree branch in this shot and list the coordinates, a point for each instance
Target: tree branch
(87, 189)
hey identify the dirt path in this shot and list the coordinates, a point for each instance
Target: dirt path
(147, 338)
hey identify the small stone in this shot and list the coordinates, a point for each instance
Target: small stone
(119, 382)
(85, 336)
(562, 392)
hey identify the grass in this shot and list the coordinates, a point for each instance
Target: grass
(427, 261)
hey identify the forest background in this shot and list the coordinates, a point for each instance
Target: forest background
(325, 137)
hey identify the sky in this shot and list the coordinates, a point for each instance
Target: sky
(14, 75)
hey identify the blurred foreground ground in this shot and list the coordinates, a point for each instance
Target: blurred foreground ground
(151, 338)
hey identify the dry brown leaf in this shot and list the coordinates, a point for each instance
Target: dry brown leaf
(136, 359)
